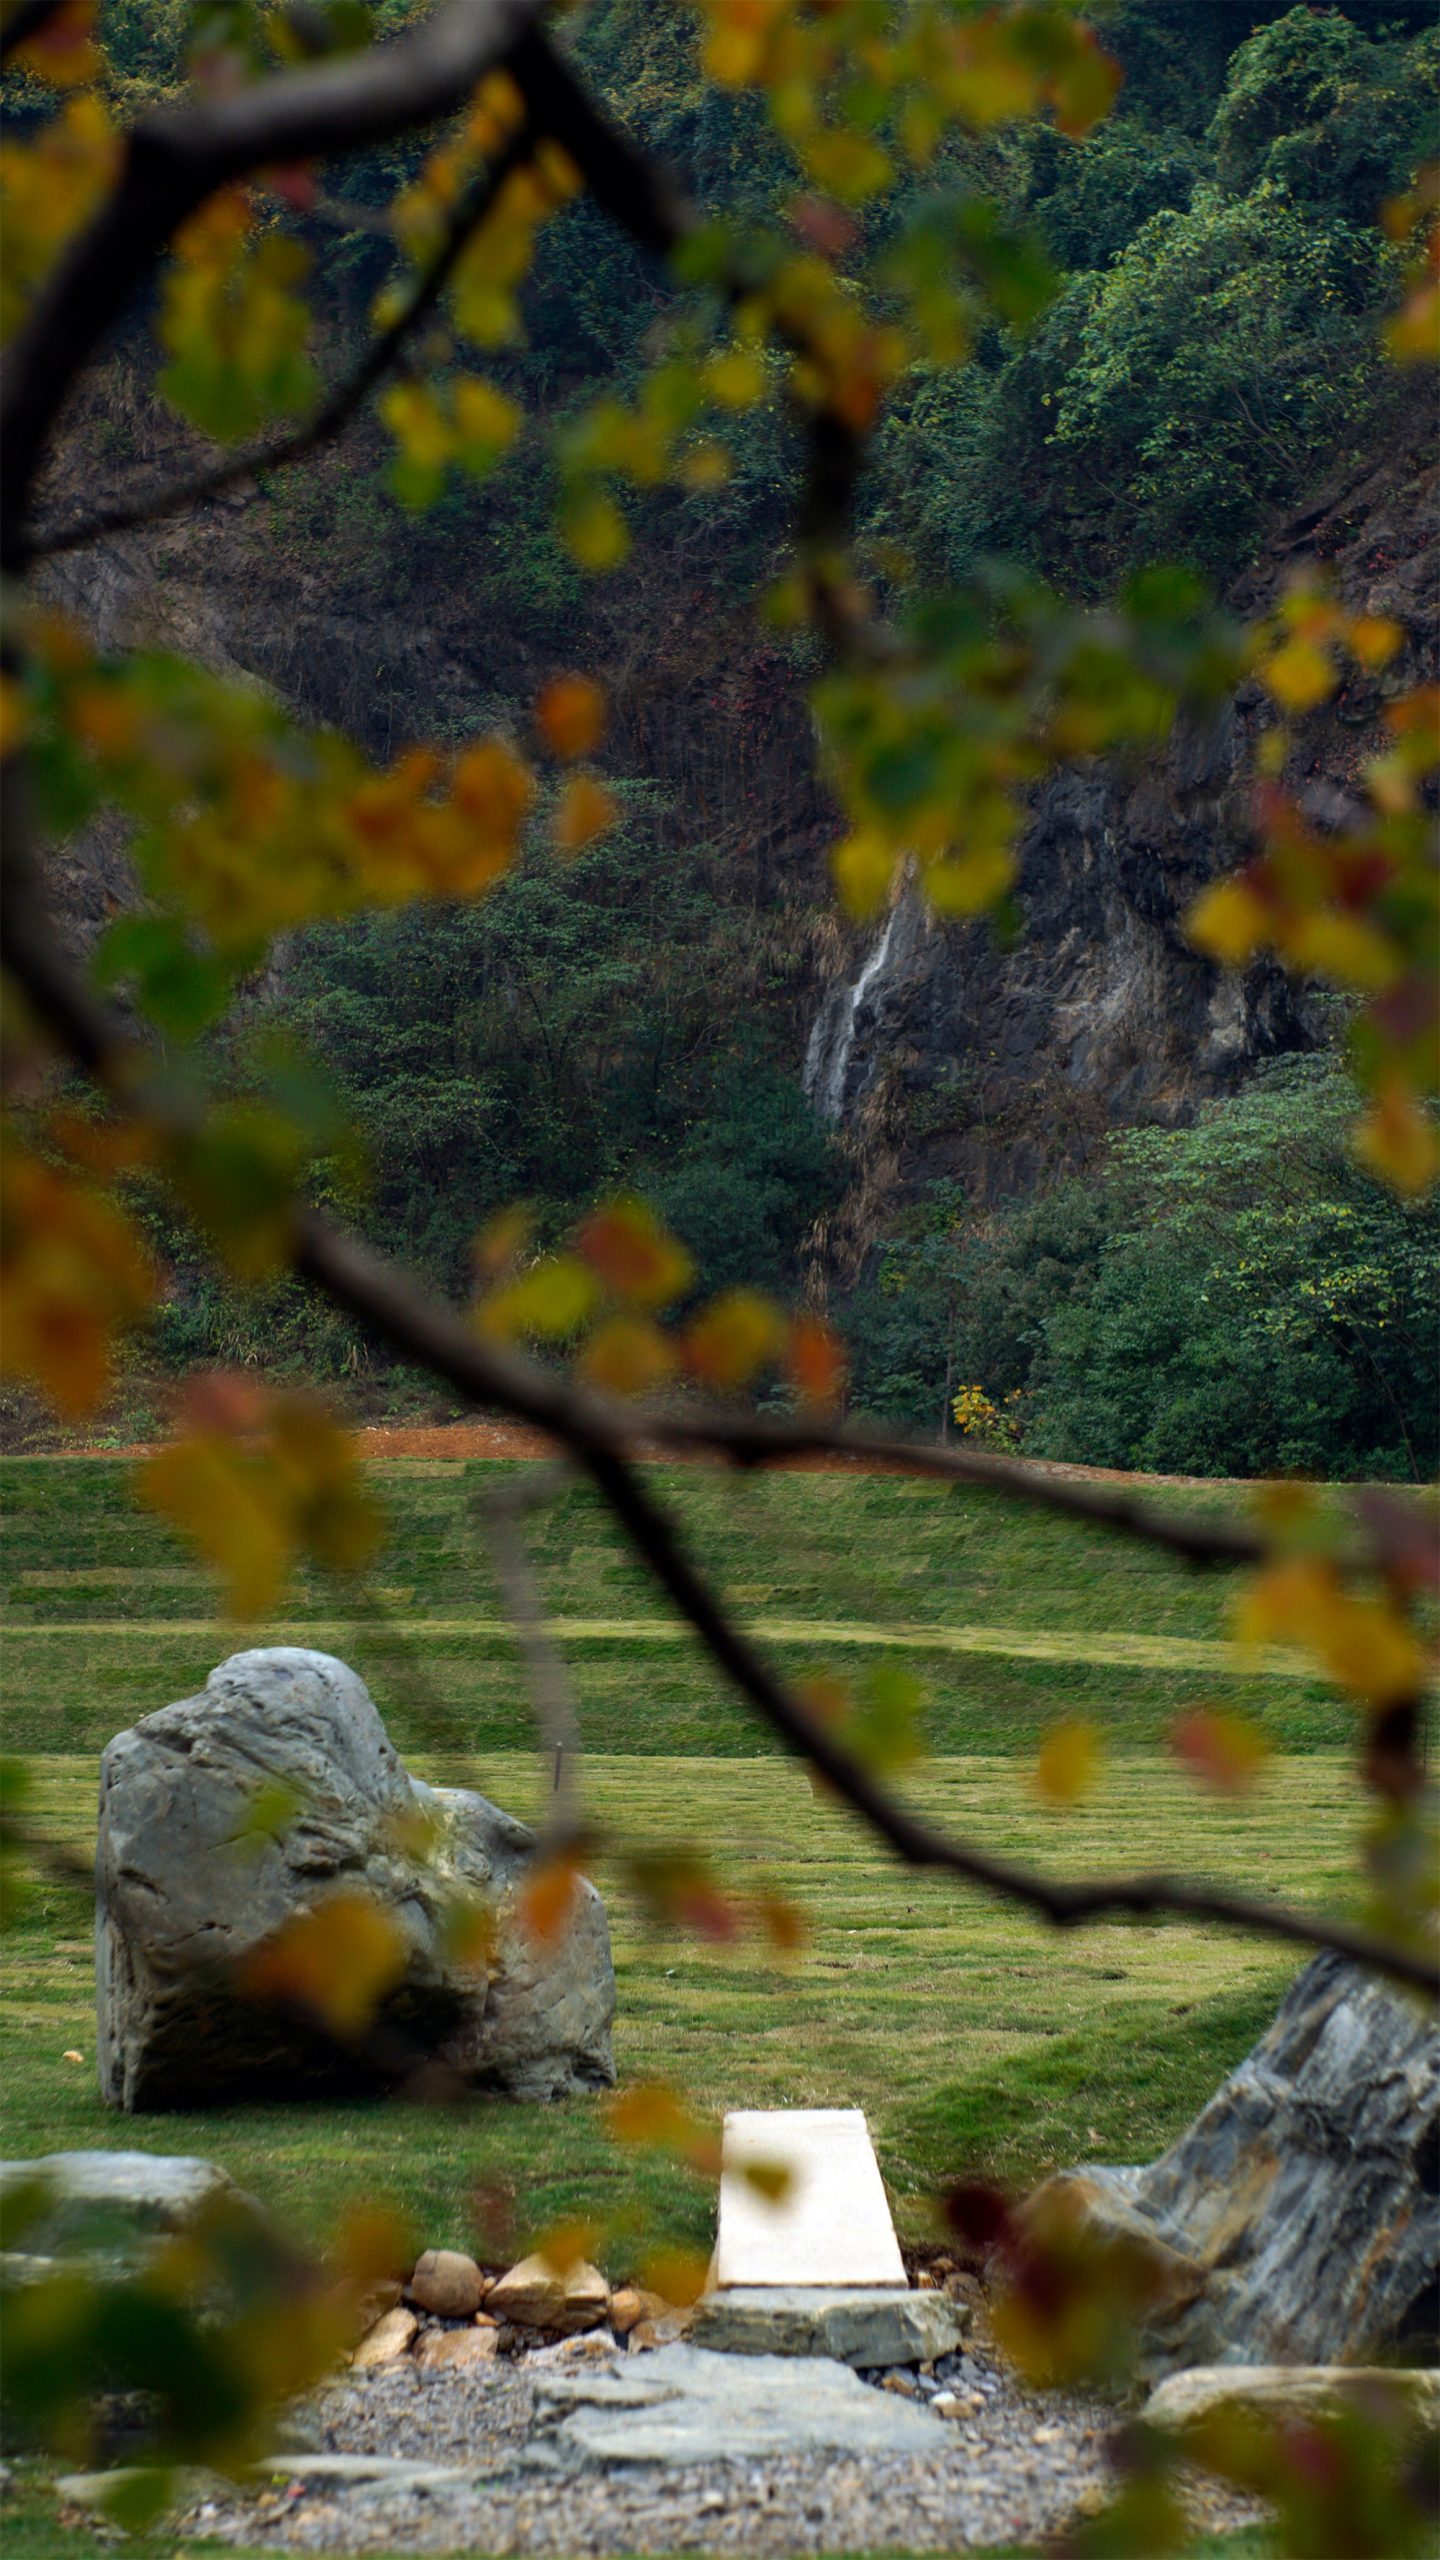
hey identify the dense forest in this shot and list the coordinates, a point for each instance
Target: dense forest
(1186, 355)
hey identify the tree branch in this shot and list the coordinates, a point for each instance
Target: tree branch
(597, 1433)
(179, 155)
(175, 497)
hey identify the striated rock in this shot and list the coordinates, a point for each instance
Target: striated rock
(391, 2338)
(535, 2295)
(446, 2350)
(188, 1891)
(1292, 2391)
(1297, 2221)
(985, 1061)
(860, 2325)
(448, 2283)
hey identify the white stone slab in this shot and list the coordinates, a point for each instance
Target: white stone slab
(831, 2226)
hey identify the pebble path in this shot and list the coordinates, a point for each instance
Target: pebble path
(1015, 2466)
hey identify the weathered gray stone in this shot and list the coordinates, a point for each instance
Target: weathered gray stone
(683, 2405)
(186, 1893)
(862, 2326)
(1299, 2215)
(109, 2209)
(1292, 2391)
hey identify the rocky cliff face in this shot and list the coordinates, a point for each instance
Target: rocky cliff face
(963, 1059)
(940, 1053)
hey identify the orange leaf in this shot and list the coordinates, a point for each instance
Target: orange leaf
(570, 716)
(338, 1960)
(586, 811)
(634, 1255)
(783, 1922)
(732, 1338)
(815, 1360)
(1221, 1748)
(650, 2114)
(547, 1898)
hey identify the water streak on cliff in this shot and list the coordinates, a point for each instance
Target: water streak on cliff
(832, 1038)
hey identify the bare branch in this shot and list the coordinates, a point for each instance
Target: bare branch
(597, 1435)
(502, 1510)
(179, 155)
(280, 452)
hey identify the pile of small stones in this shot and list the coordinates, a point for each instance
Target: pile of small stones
(456, 2316)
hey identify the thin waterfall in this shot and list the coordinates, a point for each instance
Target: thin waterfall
(827, 1056)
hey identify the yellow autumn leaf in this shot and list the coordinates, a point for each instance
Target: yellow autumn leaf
(1398, 1140)
(1374, 640)
(864, 868)
(1069, 1761)
(1349, 950)
(1299, 674)
(1229, 922)
(736, 378)
(627, 1357)
(552, 1299)
(968, 884)
(216, 1496)
(596, 532)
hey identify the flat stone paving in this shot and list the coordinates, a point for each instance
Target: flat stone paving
(831, 2224)
(1013, 2469)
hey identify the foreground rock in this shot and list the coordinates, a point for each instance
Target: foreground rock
(195, 1874)
(109, 2210)
(682, 2405)
(535, 2295)
(858, 2325)
(1292, 2391)
(1298, 2218)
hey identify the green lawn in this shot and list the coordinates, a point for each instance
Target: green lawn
(975, 2040)
(1010, 1618)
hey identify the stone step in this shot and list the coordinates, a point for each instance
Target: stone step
(863, 2326)
(830, 2222)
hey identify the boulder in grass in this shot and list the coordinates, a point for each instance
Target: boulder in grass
(1298, 2218)
(231, 1814)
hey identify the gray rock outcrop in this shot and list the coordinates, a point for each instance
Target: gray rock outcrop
(683, 2405)
(108, 2210)
(193, 1877)
(1299, 2215)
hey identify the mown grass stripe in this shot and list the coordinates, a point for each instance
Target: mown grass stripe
(1146, 1653)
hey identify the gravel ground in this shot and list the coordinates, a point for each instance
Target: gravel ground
(1014, 2467)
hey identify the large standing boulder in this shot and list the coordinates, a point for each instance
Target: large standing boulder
(230, 1814)
(1302, 2206)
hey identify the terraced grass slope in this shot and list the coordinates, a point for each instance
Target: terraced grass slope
(1009, 1617)
(975, 2040)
